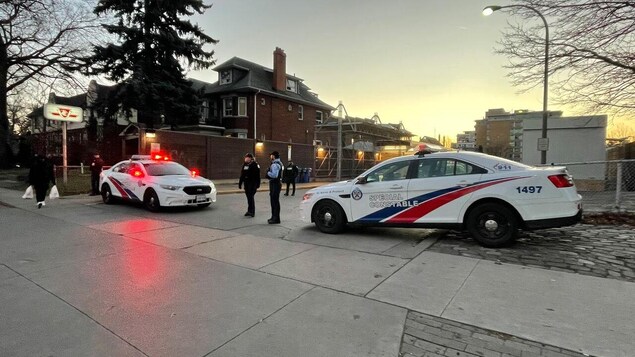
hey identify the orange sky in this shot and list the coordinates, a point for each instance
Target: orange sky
(427, 63)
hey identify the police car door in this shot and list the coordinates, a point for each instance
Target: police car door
(439, 190)
(136, 181)
(119, 179)
(379, 194)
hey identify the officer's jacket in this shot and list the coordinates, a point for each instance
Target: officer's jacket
(250, 174)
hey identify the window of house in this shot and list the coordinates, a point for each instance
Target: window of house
(214, 110)
(300, 112)
(204, 112)
(319, 117)
(228, 107)
(242, 106)
(292, 86)
(225, 77)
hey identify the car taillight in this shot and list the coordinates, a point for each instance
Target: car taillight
(561, 181)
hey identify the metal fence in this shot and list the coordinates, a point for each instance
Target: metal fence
(604, 185)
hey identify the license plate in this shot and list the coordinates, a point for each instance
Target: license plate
(201, 198)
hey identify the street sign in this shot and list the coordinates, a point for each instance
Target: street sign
(54, 111)
(543, 144)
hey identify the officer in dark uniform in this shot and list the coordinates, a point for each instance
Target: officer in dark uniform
(95, 170)
(250, 176)
(289, 176)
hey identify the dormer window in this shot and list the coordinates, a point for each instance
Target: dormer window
(226, 76)
(292, 86)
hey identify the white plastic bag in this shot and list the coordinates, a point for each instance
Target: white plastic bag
(28, 193)
(54, 193)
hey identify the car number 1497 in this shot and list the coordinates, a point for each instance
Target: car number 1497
(529, 189)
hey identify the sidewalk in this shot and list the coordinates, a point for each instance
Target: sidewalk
(231, 186)
(280, 291)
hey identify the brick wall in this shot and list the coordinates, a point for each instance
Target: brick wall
(277, 123)
(226, 156)
(219, 157)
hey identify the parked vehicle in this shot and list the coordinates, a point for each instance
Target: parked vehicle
(489, 196)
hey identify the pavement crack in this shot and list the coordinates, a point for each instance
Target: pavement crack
(260, 321)
(77, 309)
(460, 288)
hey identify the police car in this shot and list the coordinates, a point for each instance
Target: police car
(157, 182)
(489, 196)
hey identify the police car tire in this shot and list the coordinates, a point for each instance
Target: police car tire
(504, 219)
(337, 222)
(151, 201)
(106, 194)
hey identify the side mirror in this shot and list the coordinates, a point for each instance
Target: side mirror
(362, 180)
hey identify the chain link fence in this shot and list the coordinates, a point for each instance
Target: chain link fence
(604, 185)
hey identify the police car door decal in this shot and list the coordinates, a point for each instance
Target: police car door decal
(413, 209)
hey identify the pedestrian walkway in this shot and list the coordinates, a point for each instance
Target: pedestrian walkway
(152, 282)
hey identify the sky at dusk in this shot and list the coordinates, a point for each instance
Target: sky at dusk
(427, 63)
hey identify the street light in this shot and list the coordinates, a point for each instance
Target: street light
(543, 143)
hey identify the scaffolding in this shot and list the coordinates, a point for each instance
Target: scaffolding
(346, 146)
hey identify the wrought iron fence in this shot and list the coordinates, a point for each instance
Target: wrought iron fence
(604, 185)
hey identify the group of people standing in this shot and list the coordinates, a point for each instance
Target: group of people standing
(277, 173)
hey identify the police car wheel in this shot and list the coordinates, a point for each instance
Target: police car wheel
(329, 217)
(151, 201)
(106, 194)
(493, 225)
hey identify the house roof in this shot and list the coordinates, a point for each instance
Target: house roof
(260, 78)
(76, 101)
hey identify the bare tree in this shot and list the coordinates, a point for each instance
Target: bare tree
(37, 37)
(620, 129)
(592, 52)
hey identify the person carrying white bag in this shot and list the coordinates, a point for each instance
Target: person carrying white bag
(28, 194)
(40, 175)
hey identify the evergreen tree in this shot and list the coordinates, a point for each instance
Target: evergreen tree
(156, 45)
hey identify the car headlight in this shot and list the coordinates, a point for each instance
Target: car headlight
(170, 187)
(307, 196)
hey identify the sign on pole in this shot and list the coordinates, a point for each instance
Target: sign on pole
(64, 113)
(54, 111)
(543, 144)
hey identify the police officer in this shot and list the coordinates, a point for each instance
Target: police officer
(95, 170)
(289, 175)
(275, 186)
(250, 176)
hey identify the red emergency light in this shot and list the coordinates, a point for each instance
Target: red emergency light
(137, 173)
(194, 172)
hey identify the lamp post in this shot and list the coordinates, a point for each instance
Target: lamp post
(543, 142)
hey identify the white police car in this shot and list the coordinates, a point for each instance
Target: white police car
(489, 196)
(156, 182)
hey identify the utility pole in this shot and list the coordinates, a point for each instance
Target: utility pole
(338, 175)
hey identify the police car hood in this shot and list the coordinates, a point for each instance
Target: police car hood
(333, 185)
(181, 180)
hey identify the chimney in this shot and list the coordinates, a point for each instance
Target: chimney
(279, 70)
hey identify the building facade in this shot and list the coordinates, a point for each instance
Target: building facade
(500, 133)
(466, 141)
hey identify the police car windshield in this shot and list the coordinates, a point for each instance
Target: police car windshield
(165, 169)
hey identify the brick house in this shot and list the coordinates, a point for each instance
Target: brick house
(274, 109)
(250, 108)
